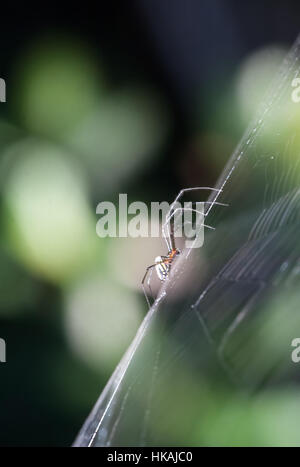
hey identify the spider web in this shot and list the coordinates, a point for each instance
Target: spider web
(230, 332)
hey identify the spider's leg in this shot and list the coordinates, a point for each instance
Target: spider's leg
(170, 216)
(187, 222)
(181, 193)
(188, 209)
(143, 282)
(149, 282)
(185, 190)
(212, 203)
(166, 231)
(150, 268)
(204, 214)
(166, 238)
(166, 224)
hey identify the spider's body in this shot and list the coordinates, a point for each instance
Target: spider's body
(163, 264)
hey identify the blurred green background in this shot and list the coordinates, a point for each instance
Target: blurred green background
(141, 99)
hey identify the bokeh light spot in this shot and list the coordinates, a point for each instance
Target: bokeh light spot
(49, 224)
(101, 320)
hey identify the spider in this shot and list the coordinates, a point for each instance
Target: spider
(162, 264)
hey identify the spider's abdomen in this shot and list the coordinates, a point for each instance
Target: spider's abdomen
(162, 269)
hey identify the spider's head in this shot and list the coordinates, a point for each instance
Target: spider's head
(173, 253)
